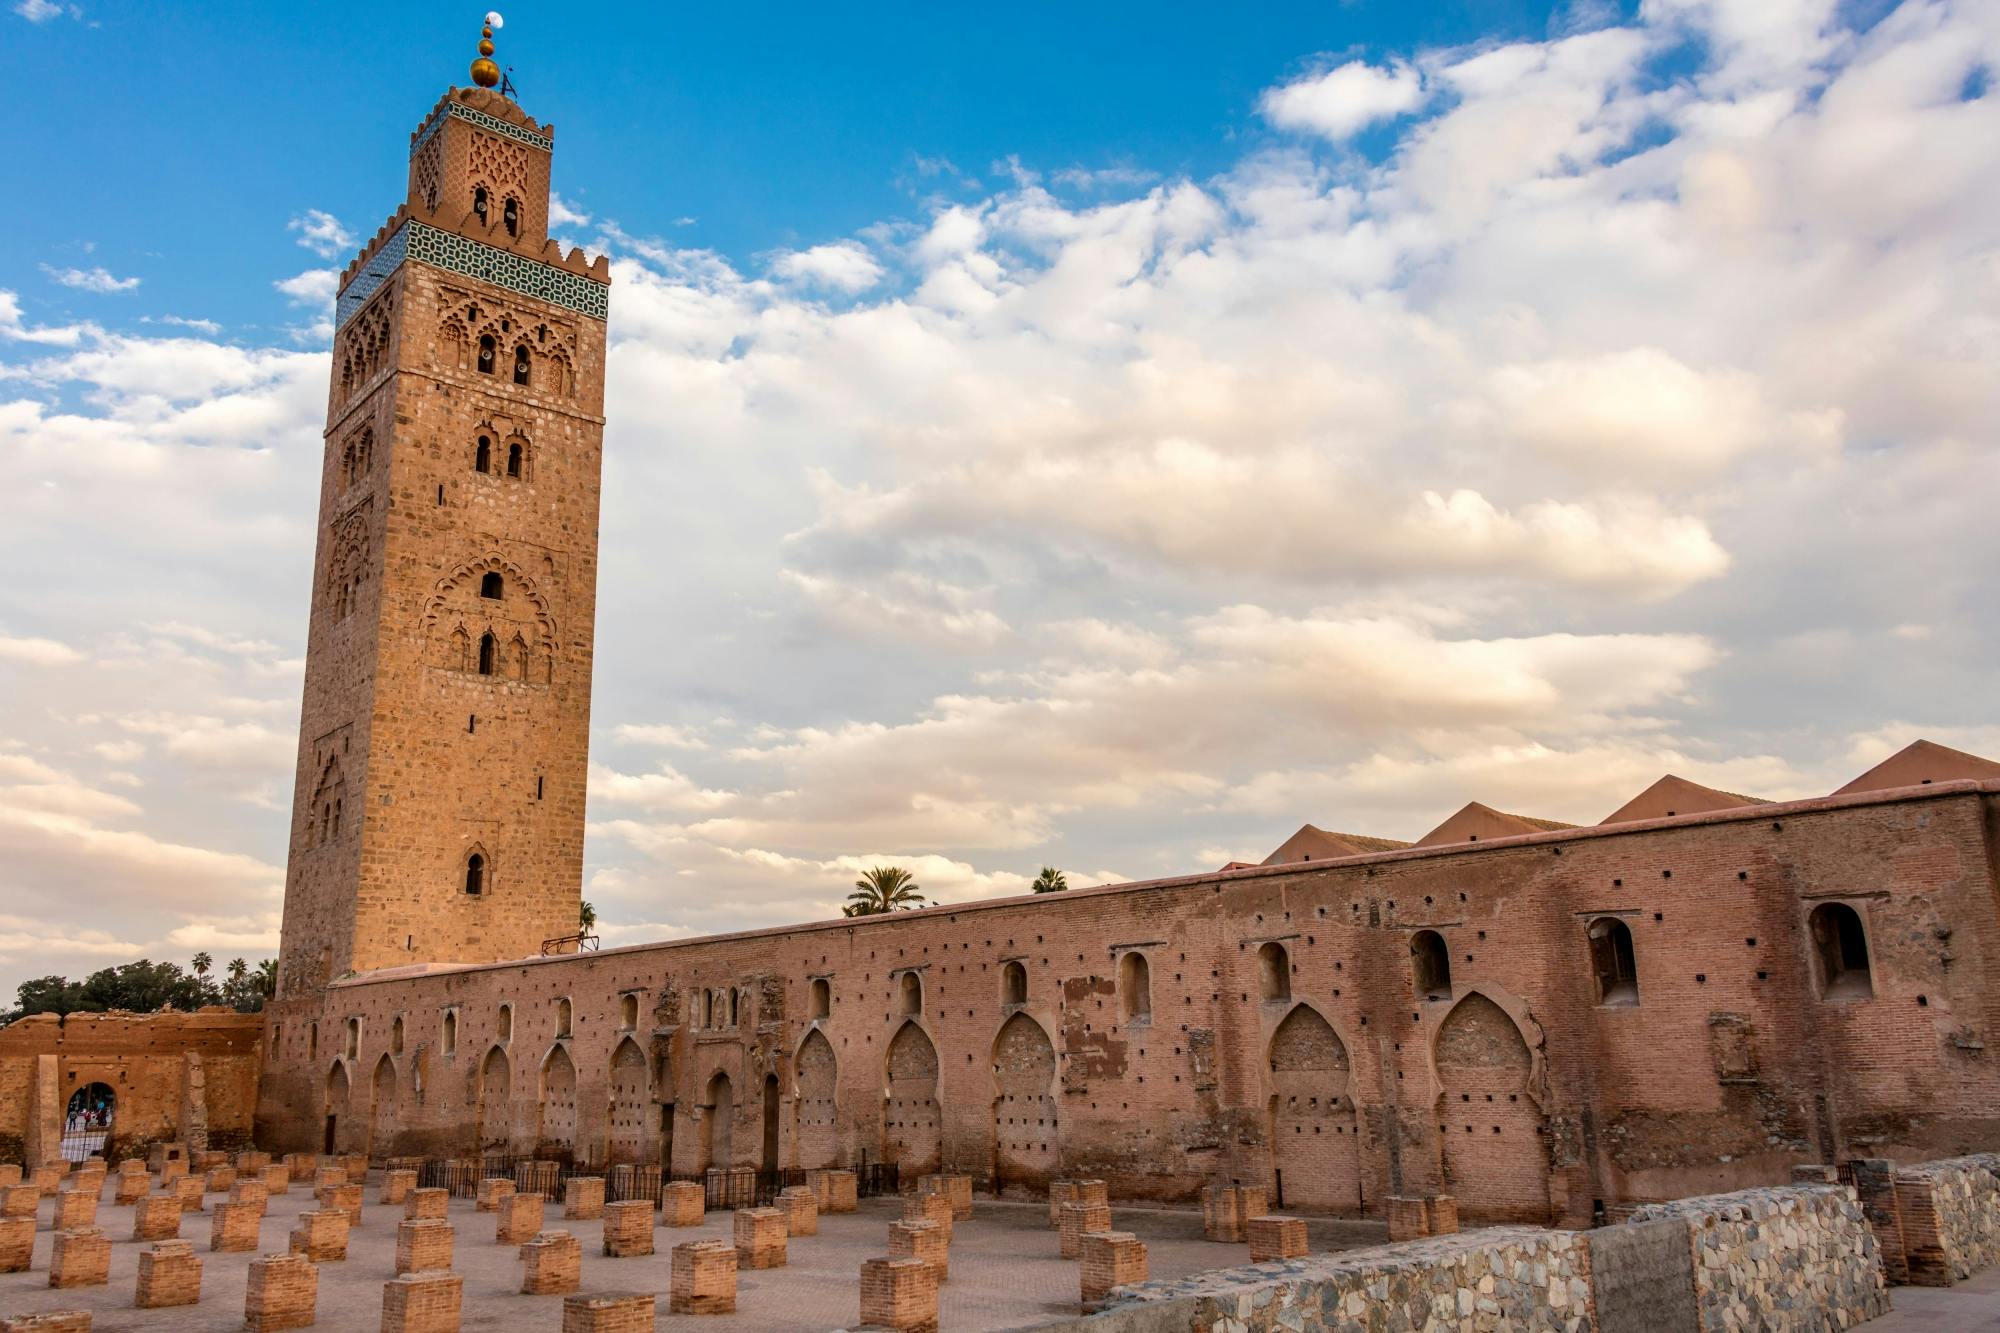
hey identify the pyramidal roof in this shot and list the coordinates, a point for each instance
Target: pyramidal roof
(1674, 795)
(1316, 844)
(1482, 823)
(1920, 762)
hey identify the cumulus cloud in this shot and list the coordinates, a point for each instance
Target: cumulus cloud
(95, 279)
(37, 652)
(1340, 101)
(322, 233)
(844, 266)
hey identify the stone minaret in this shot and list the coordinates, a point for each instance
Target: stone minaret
(438, 811)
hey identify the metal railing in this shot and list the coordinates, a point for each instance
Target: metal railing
(722, 1187)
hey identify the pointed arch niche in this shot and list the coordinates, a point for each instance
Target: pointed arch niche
(913, 1132)
(1026, 1144)
(1315, 1134)
(1494, 1154)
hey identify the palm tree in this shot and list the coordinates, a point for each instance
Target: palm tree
(586, 917)
(238, 969)
(883, 889)
(1050, 880)
(201, 963)
(267, 976)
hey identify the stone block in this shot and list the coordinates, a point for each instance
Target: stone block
(627, 1312)
(207, 1159)
(1080, 1220)
(396, 1186)
(520, 1219)
(82, 1258)
(956, 1188)
(551, 1264)
(321, 1235)
(422, 1302)
(583, 1198)
(283, 1292)
(357, 1168)
(628, 1230)
(249, 1190)
(190, 1191)
(236, 1227)
(131, 1188)
(1275, 1237)
(301, 1164)
(1409, 1217)
(703, 1278)
(1226, 1211)
(800, 1205)
(842, 1193)
(900, 1294)
(929, 1208)
(48, 1177)
(74, 1208)
(250, 1162)
(157, 1217)
(1814, 1173)
(423, 1245)
(17, 1244)
(491, 1190)
(220, 1179)
(420, 1205)
(682, 1204)
(277, 1179)
(20, 1200)
(326, 1177)
(169, 1169)
(1111, 1259)
(49, 1321)
(169, 1274)
(10, 1174)
(344, 1199)
(925, 1241)
(760, 1238)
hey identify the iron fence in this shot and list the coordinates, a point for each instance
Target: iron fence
(722, 1187)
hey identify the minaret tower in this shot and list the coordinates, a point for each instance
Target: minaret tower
(438, 811)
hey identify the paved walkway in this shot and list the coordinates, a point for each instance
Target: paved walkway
(1969, 1307)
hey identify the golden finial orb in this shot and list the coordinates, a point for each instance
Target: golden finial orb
(484, 72)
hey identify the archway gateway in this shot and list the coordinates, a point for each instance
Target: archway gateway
(87, 1121)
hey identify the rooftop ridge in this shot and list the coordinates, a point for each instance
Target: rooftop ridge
(483, 100)
(1216, 878)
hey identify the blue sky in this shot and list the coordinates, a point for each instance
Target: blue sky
(769, 126)
(1106, 439)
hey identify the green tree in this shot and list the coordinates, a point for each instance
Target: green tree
(202, 963)
(1050, 880)
(586, 917)
(883, 889)
(237, 970)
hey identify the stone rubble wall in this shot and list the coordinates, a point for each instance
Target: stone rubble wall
(1950, 1213)
(1779, 1259)
(1798, 1257)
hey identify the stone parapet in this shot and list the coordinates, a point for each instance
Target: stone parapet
(1950, 1218)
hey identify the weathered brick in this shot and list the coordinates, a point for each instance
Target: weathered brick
(169, 1274)
(49, 1321)
(396, 1186)
(1226, 1211)
(900, 1294)
(321, 1235)
(760, 1238)
(131, 1187)
(277, 1179)
(583, 1198)
(626, 1312)
(82, 1258)
(1079, 1220)
(520, 1219)
(800, 1205)
(237, 1227)
(1110, 1259)
(190, 1192)
(551, 1264)
(929, 1208)
(157, 1217)
(703, 1278)
(957, 1188)
(17, 1243)
(492, 1189)
(74, 1208)
(220, 1179)
(1276, 1237)
(20, 1200)
(1409, 1217)
(842, 1192)
(682, 1204)
(922, 1240)
(628, 1229)
(344, 1199)
(282, 1292)
(425, 1302)
(423, 1245)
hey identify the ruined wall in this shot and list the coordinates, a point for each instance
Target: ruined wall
(151, 1062)
(1511, 1086)
(1948, 1218)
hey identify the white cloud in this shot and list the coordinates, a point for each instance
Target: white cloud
(41, 11)
(845, 266)
(1341, 101)
(660, 734)
(322, 233)
(562, 213)
(315, 288)
(95, 279)
(37, 652)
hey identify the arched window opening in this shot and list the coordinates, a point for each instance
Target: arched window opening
(1274, 972)
(1842, 945)
(1135, 988)
(628, 1012)
(521, 365)
(450, 1032)
(475, 874)
(487, 648)
(1612, 962)
(312, 1042)
(510, 213)
(486, 351)
(482, 457)
(912, 989)
(732, 1008)
(1013, 984)
(479, 202)
(492, 585)
(353, 1038)
(564, 1013)
(514, 460)
(506, 1025)
(708, 1009)
(396, 1036)
(822, 997)
(1431, 964)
